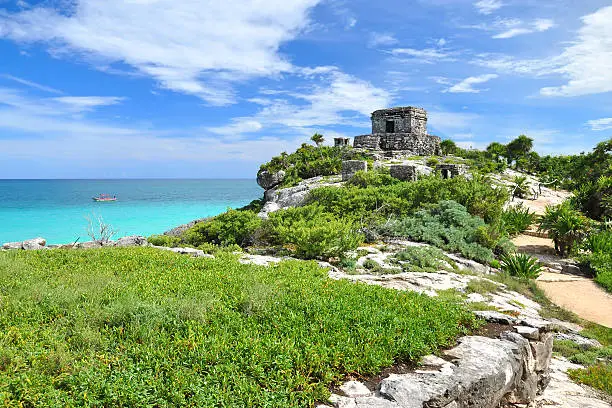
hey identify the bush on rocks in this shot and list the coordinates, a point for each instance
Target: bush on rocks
(310, 232)
(231, 227)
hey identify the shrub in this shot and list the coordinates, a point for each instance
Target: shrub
(517, 219)
(375, 178)
(481, 286)
(601, 265)
(424, 259)
(231, 227)
(432, 162)
(521, 187)
(521, 266)
(600, 242)
(446, 225)
(404, 198)
(310, 232)
(310, 161)
(565, 226)
(164, 240)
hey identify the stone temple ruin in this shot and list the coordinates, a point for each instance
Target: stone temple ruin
(396, 132)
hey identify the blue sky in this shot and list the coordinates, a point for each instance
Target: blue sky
(210, 88)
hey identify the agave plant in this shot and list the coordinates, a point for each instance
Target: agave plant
(520, 265)
(565, 226)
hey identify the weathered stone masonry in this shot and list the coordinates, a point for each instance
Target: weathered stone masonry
(401, 129)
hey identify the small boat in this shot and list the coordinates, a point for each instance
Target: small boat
(104, 198)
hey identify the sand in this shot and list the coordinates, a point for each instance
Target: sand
(575, 293)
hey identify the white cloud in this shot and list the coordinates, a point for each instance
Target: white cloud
(327, 103)
(538, 25)
(238, 126)
(487, 7)
(31, 84)
(586, 63)
(466, 86)
(450, 122)
(84, 103)
(425, 55)
(378, 39)
(600, 124)
(441, 80)
(198, 47)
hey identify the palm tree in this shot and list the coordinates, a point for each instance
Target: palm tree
(565, 226)
(318, 139)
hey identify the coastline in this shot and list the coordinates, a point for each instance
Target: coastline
(56, 209)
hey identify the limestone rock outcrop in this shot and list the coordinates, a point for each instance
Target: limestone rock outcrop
(277, 199)
(268, 180)
(480, 372)
(30, 244)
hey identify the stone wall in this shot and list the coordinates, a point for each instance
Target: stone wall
(341, 141)
(350, 167)
(403, 172)
(420, 145)
(449, 170)
(406, 120)
(370, 142)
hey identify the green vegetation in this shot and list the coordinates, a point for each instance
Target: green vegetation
(231, 227)
(310, 232)
(517, 219)
(598, 362)
(481, 286)
(447, 225)
(565, 226)
(521, 266)
(600, 257)
(165, 240)
(598, 376)
(143, 327)
(424, 259)
(310, 161)
(379, 197)
(520, 188)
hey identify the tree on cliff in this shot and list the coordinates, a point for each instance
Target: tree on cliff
(518, 148)
(318, 139)
(448, 147)
(497, 150)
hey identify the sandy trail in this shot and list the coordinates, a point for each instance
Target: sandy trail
(575, 293)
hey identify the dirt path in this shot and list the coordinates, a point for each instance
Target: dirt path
(575, 293)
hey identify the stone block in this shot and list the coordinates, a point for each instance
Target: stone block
(355, 389)
(542, 351)
(403, 172)
(350, 167)
(527, 332)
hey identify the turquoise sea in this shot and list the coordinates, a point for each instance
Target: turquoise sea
(57, 209)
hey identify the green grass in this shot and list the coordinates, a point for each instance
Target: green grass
(598, 376)
(142, 327)
(481, 286)
(424, 259)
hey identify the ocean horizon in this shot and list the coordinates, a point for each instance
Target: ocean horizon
(57, 209)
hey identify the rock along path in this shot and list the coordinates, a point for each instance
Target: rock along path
(574, 293)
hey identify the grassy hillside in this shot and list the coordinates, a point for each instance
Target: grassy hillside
(143, 327)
